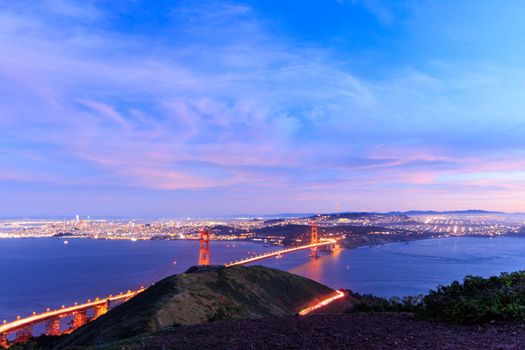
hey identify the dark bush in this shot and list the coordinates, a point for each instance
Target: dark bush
(371, 303)
(476, 300)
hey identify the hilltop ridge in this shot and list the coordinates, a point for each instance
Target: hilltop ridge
(202, 295)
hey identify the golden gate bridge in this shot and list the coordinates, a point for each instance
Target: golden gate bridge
(80, 314)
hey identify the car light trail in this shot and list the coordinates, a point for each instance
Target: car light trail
(340, 294)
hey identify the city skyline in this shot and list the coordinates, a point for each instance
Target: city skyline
(217, 108)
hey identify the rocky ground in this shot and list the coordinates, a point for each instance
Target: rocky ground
(346, 331)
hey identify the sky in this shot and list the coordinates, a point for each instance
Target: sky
(181, 108)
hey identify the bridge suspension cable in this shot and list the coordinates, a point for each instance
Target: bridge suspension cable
(329, 243)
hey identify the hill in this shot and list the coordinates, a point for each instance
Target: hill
(447, 212)
(198, 296)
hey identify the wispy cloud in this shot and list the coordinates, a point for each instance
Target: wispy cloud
(225, 105)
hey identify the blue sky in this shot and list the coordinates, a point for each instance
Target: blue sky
(203, 108)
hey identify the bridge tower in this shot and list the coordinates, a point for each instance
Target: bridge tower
(204, 248)
(53, 326)
(101, 310)
(24, 335)
(4, 343)
(315, 239)
(79, 319)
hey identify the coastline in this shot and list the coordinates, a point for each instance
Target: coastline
(404, 239)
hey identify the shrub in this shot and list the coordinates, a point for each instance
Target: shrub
(371, 303)
(476, 300)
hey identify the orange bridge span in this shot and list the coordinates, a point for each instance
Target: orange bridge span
(22, 328)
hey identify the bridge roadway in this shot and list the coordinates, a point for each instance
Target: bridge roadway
(280, 252)
(21, 324)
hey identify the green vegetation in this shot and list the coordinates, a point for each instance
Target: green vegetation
(476, 300)
(372, 303)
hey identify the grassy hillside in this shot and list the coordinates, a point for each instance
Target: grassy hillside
(202, 295)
